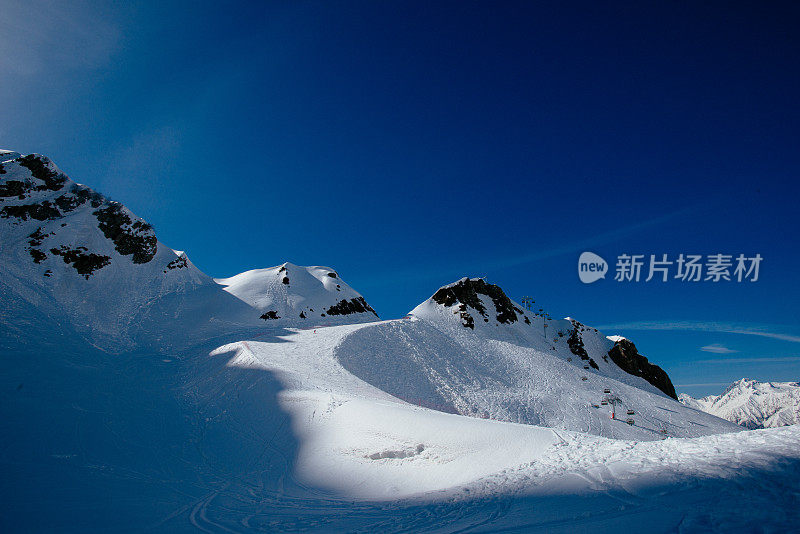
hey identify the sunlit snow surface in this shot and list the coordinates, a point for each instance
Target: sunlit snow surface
(271, 433)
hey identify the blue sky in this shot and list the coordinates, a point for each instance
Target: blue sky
(409, 144)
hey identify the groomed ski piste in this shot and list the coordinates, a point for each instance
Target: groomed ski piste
(139, 394)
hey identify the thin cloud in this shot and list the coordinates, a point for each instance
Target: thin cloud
(591, 242)
(702, 385)
(42, 36)
(717, 348)
(446, 274)
(787, 359)
(769, 331)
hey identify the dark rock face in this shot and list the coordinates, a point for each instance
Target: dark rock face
(35, 239)
(83, 261)
(14, 188)
(41, 211)
(272, 314)
(78, 196)
(575, 341)
(52, 181)
(625, 355)
(576, 346)
(134, 238)
(177, 263)
(346, 307)
(37, 255)
(467, 291)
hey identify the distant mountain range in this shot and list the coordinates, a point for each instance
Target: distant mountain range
(753, 404)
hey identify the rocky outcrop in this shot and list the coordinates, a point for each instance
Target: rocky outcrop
(131, 237)
(347, 307)
(625, 355)
(467, 291)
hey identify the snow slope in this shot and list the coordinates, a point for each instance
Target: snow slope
(753, 404)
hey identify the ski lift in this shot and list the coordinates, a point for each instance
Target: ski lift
(606, 391)
(595, 405)
(584, 378)
(604, 403)
(630, 412)
(629, 421)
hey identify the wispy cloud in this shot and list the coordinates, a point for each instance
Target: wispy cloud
(592, 241)
(717, 348)
(42, 36)
(786, 359)
(769, 331)
(474, 267)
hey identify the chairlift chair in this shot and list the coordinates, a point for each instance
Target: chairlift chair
(629, 421)
(631, 412)
(604, 403)
(584, 378)
(606, 391)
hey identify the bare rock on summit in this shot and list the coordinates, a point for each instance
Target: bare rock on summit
(625, 355)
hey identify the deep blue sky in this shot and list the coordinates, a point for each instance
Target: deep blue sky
(409, 144)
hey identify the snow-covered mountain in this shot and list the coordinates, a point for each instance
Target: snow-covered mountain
(84, 260)
(753, 404)
(471, 350)
(302, 296)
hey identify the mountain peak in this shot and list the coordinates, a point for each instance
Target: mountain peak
(471, 299)
(297, 295)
